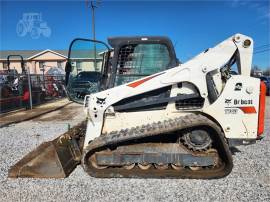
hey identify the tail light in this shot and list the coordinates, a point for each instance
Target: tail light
(261, 109)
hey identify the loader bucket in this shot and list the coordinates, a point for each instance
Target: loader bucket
(53, 159)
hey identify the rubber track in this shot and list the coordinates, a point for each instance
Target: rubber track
(159, 128)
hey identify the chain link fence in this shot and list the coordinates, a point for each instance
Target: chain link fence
(24, 91)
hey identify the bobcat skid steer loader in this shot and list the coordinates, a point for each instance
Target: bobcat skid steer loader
(177, 121)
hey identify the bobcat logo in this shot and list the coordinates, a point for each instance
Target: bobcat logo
(228, 101)
(101, 101)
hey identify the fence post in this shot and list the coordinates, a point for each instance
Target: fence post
(30, 88)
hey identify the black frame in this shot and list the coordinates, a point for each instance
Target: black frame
(22, 62)
(68, 64)
(69, 51)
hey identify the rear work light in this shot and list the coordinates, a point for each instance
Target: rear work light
(261, 109)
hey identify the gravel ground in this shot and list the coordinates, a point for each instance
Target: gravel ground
(249, 180)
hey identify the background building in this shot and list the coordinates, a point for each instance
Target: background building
(35, 60)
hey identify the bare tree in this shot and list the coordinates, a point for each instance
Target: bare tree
(266, 72)
(255, 69)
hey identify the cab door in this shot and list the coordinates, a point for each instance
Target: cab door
(86, 68)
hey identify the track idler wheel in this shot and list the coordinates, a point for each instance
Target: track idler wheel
(177, 167)
(93, 162)
(144, 166)
(195, 168)
(129, 166)
(161, 166)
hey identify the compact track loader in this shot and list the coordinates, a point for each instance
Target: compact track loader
(150, 116)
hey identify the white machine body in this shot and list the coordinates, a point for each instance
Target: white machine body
(235, 109)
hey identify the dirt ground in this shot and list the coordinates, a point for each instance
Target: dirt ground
(65, 114)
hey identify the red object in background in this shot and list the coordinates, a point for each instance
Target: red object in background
(26, 96)
(261, 109)
(50, 90)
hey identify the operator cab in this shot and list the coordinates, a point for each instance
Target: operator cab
(94, 66)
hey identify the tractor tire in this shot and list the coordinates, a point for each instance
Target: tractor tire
(35, 33)
(21, 29)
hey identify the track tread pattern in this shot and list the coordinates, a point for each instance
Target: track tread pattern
(158, 128)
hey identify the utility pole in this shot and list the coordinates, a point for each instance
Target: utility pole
(29, 88)
(93, 19)
(43, 70)
(93, 5)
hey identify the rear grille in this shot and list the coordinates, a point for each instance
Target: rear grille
(195, 103)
